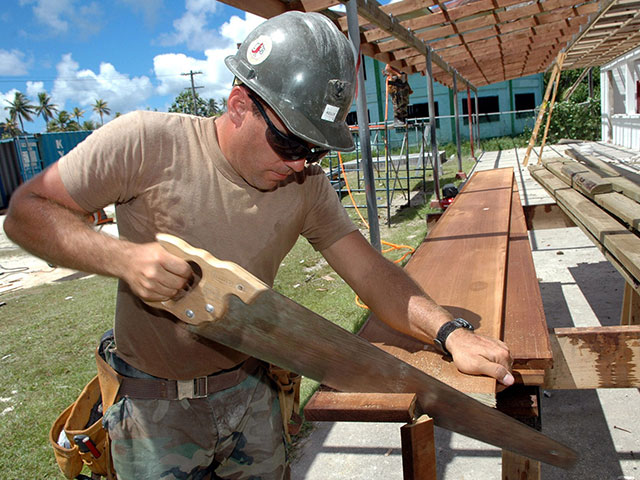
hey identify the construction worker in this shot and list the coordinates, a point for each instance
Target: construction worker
(399, 90)
(243, 186)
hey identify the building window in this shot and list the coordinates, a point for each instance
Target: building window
(352, 117)
(525, 101)
(421, 110)
(363, 64)
(489, 108)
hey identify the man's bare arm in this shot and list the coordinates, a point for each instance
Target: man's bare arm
(401, 303)
(45, 220)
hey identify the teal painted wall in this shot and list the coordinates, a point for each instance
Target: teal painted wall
(495, 125)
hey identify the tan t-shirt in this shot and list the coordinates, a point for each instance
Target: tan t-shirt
(166, 173)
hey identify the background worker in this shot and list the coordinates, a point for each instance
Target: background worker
(241, 187)
(399, 90)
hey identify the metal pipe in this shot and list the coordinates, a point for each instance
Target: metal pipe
(363, 128)
(432, 125)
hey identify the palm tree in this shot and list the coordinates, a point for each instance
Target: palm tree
(9, 128)
(88, 125)
(101, 108)
(77, 113)
(45, 107)
(20, 109)
(60, 123)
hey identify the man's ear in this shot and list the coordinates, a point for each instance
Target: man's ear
(238, 105)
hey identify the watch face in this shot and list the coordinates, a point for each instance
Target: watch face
(461, 322)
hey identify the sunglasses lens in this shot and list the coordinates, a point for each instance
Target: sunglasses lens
(286, 147)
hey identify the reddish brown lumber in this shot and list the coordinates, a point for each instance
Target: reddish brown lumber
(418, 450)
(525, 325)
(461, 265)
(327, 406)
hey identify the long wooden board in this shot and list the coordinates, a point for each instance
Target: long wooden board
(525, 324)
(462, 266)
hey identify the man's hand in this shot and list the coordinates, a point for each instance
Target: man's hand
(154, 274)
(479, 355)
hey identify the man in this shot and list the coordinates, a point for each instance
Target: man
(237, 186)
(399, 90)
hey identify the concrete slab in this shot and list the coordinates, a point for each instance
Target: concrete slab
(579, 288)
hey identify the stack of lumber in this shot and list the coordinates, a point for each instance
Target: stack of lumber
(603, 203)
(477, 263)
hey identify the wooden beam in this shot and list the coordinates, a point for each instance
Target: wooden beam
(418, 450)
(594, 357)
(264, 8)
(329, 406)
(630, 306)
(372, 12)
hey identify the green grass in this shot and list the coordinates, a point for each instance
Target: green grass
(48, 334)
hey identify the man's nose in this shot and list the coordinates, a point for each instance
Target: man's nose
(297, 165)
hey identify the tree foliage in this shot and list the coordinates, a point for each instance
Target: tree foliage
(183, 103)
(579, 116)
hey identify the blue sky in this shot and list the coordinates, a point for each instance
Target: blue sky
(130, 53)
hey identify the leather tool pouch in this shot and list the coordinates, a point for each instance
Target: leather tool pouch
(288, 384)
(83, 418)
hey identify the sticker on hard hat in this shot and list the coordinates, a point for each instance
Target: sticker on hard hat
(259, 50)
(330, 113)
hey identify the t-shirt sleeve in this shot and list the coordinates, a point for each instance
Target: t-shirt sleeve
(327, 220)
(103, 169)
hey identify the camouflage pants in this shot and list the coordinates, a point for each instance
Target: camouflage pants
(236, 434)
(400, 100)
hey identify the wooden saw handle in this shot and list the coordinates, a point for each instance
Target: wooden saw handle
(215, 280)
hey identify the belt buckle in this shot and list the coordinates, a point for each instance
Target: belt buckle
(195, 388)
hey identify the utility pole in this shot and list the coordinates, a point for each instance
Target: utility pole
(193, 88)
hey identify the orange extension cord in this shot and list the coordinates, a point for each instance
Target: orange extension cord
(391, 246)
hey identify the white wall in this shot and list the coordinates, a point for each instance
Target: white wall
(619, 100)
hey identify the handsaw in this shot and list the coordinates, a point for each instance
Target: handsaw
(229, 305)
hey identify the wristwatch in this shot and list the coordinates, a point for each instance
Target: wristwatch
(446, 330)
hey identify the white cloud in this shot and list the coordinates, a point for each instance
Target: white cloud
(33, 89)
(216, 78)
(12, 63)
(191, 29)
(4, 98)
(75, 87)
(67, 16)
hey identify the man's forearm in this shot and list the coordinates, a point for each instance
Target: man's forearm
(62, 236)
(403, 305)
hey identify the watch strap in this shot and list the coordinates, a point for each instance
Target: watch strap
(447, 329)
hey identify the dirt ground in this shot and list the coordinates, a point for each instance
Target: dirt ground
(19, 269)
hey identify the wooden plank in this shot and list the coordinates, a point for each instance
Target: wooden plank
(630, 306)
(327, 406)
(589, 183)
(517, 467)
(623, 244)
(473, 233)
(594, 162)
(418, 450)
(622, 207)
(627, 187)
(525, 324)
(598, 357)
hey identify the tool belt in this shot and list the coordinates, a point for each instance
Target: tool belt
(88, 442)
(288, 384)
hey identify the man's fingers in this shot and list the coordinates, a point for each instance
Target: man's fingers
(497, 371)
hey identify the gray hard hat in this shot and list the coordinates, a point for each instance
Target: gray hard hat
(302, 66)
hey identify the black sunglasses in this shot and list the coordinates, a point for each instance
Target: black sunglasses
(287, 147)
